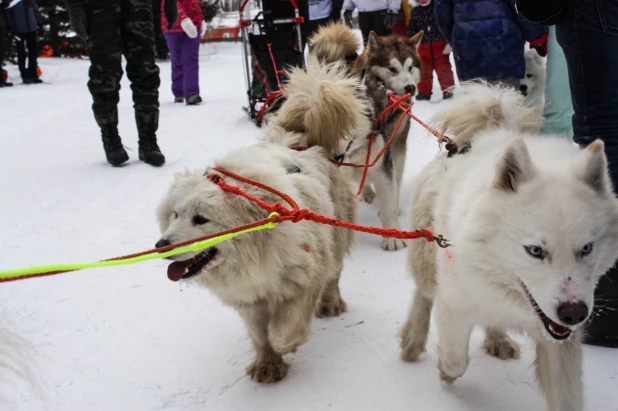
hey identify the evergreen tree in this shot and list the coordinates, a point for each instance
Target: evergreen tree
(62, 42)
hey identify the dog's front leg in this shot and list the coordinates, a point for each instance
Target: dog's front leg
(289, 326)
(268, 366)
(453, 341)
(559, 372)
(386, 190)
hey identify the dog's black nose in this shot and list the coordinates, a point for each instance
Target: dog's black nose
(339, 157)
(411, 89)
(573, 313)
(523, 88)
(162, 243)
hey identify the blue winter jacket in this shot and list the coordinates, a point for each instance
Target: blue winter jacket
(487, 36)
(23, 19)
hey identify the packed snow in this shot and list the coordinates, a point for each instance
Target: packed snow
(127, 338)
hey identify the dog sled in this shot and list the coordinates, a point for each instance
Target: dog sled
(272, 42)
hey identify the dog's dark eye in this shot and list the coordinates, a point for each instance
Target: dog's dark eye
(535, 252)
(586, 250)
(529, 75)
(393, 70)
(175, 215)
(410, 69)
(199, 220)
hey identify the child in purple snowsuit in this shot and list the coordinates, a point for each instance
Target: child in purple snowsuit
(183, 41)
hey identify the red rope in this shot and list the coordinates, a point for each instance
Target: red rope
(277, 71)
(433, 131)
(297, 214)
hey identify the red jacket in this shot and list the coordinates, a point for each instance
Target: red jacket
(186, 9)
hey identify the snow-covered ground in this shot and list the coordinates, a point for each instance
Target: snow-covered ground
(129, 339)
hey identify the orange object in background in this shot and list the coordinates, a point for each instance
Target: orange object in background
(39, 73)
(46, 51)
(222, 33)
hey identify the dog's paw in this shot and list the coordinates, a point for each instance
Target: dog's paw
(267, 373)
(412, 343)
(447, 378)
(331, 309)
(503, 348)
(392, 244)
(452, 369)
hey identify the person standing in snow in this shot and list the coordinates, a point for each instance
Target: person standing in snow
(433, 50)
(114, 28)
(3, 82)
(24, 21)
(183, 42)
(488, 38)
(379, 16)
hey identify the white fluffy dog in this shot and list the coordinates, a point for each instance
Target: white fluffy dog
(276, 279)
(532, 85)
(534, 223)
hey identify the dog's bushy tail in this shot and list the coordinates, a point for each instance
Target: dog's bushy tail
(478, 106)
(334, 42)
(324, 103)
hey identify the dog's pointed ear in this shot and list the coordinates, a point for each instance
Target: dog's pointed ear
(594, 172)
(415, 40)
(373, 41)
(514, 167)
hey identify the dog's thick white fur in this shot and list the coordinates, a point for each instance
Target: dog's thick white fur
(276, 279)
(533, 84)
(534, 225)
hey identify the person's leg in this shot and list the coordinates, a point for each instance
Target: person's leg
(105, 74)
(365, 22)
(378, 23)
(174, 45)
(2, 51)
(138, 46)
(33, 53)
(444, 71)
(558, 111)
(589, 38)
(20, 44)
(191, 64)
(426, 83)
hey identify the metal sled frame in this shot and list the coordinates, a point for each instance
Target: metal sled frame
(272, 97)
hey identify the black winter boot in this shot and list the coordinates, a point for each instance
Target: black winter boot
(114, 151)
(147, 125)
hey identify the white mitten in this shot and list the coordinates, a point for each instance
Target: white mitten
(447, 49)
(189, 28)
(203, 29)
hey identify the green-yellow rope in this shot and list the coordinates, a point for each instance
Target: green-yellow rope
(197, 246)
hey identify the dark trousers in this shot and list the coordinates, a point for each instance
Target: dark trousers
(27, 50)
(2, 46)
(116, 28)
(372, 21)
(589, 38)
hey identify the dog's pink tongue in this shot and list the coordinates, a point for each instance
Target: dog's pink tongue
(176, 270)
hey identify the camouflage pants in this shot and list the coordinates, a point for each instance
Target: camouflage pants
(116, 28)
